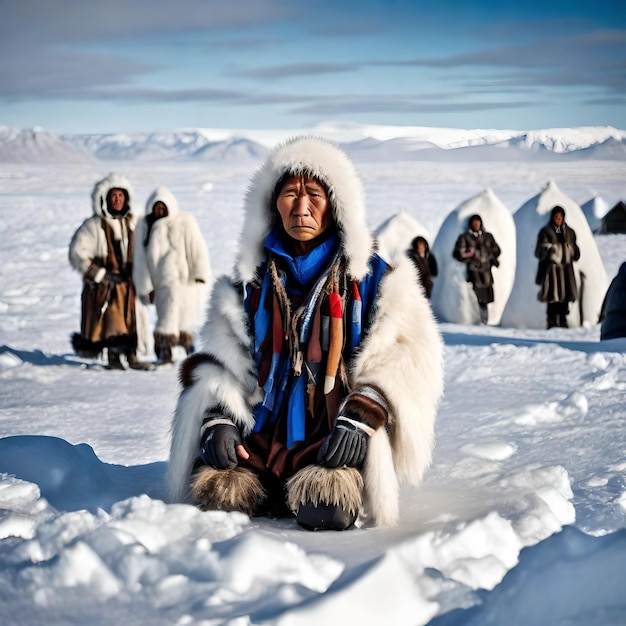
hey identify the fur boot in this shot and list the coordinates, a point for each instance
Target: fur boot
(186, 341)
(163, 345)
(135, 364)
(237, 489)
(324, 498)
(115, 363)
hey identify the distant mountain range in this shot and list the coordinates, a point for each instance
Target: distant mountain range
(362, 142)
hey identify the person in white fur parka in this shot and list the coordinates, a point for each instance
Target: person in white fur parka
(101, 250)
(171, 269)
(321, 369)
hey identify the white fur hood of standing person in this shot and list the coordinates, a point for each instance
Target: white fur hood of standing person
(523, 309)
(453, 299)
(402, 353)
(89, 239)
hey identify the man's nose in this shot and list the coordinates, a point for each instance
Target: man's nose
(301, 205)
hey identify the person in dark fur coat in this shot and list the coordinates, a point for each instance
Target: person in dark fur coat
(425, 262)
(557, 251)
(315, 392)
(479, 251)
(101, 250)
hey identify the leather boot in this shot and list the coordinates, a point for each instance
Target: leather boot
(323, 516)
(186, 341)
(135, 364)
(163, 347)
(115, 362)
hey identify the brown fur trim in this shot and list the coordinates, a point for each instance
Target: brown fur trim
(188, 366)
(313, 484)
(186, 341)
(237, 489)
(164, 341)
(366, 409)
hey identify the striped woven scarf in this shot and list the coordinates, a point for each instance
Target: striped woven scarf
(308, 344)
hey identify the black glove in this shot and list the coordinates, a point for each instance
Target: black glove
(220, 437)
(115, 279)
(345, 445)
(361, 413)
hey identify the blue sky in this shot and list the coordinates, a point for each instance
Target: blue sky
(150, 65)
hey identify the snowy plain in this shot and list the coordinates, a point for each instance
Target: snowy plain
(521, 518)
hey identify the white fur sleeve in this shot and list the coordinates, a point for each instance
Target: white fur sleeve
(403, 356)
(222, 374)
(141, 272)
(84, 247)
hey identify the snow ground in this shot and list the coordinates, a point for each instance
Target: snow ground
(521, 518)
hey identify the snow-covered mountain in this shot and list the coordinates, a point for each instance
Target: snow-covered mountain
(184, 144)
(36, 145)
(362, 142)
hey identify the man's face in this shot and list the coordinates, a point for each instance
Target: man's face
(475, 225)
(558, 219)
(304, 208)
(116, 200)
(159, 209)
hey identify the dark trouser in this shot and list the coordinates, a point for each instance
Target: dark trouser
(484, 313)
(557, 314)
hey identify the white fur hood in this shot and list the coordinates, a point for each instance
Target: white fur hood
(164, 195)
(102, 188)
(325, 161)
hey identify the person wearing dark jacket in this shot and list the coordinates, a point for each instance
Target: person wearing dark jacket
(557, 251)
(479, 251)
(425, 263)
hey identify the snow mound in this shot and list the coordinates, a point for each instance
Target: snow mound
(396, 233)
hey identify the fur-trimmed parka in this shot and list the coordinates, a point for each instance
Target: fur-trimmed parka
(400, 354)
(101, 251)
(171, 260)
(557, 253)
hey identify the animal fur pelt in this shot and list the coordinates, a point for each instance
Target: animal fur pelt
(315, 484)
(236, 489)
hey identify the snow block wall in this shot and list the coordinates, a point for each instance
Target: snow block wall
(523, 310)
(395, 235)
(453, 299)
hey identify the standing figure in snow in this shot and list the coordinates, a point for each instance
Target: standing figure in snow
(317, 390)
(479, 251)
(425, 263)
(171, 269)
(102, 251)
(557, 250)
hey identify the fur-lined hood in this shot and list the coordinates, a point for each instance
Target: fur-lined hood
(325, 161)
(102, 188)
(164, 195)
